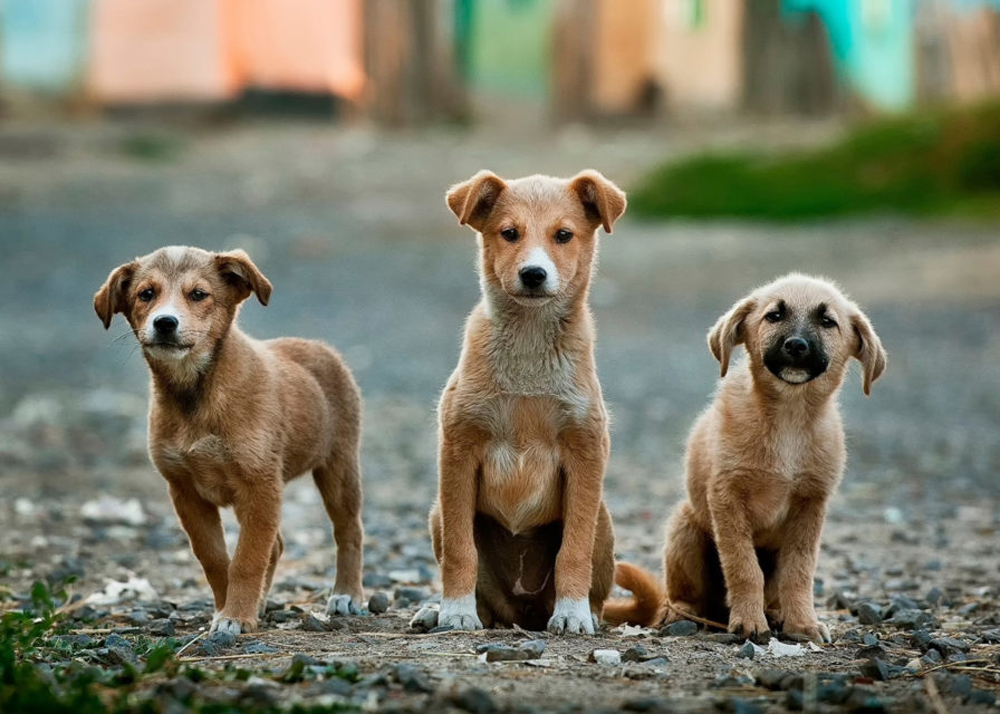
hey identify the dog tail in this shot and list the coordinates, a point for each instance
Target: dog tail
(646, 607)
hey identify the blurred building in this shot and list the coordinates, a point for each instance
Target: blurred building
(402, 61)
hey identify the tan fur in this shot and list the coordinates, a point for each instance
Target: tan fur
(646, 606)
(523, 428)
(762, 462)
(232, 419)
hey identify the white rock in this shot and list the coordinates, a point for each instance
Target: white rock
(606, 656)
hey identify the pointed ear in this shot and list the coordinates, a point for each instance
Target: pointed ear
(729, 332)
(603, 202)
(238, 270)
(473, 200)
(868, 350)
(111, 298)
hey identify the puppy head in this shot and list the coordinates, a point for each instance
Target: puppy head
(538, 234)
(180, 301)
(799, 330)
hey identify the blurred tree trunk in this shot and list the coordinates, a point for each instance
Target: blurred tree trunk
(573, 43)
(787, 62)
(410, 61)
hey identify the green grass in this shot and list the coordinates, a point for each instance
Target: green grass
(945, 163)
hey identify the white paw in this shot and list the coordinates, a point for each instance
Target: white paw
(572, 617)
(460, 613)
(342, 604)
(225, 624)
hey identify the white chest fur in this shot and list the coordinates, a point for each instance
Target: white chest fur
(520, 475)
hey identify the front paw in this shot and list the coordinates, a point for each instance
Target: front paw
(341, 604)
(459, 613)
(572, 617)
(749, 623)
(222, 622)
(810, 628)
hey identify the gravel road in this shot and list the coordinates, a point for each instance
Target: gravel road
(350, 226)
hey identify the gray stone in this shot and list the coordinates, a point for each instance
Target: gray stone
(869, 614)
(425, 620)
(164, 627)
(747, 651)
(412, 679)
(410, 596)
(475, 700)
(378, 603)
(681, 628)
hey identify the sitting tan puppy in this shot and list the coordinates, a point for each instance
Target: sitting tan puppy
(762, 463)
(520, 528)
(232, 419)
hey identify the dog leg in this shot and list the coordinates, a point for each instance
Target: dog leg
(276, 551)
(459, 557)
(584, 457)
(340, 486)
(604, 561)
(258, 513)
(200, 520)
(744, 578)
(685, 564)
(796, 568)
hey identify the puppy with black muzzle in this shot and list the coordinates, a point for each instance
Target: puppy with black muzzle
(232, 419)
(519, 527)
(762, 463)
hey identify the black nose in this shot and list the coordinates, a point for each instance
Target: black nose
(533, 276)
(796, 347)
(165, 324)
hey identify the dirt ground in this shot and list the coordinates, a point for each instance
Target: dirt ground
(350, 226)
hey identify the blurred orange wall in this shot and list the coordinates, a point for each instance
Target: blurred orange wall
(197, 50)
(162, 50)
(302, 45)
(625, 53)
(701, 55)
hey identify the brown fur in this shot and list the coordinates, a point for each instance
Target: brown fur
(762, 463)
(520, 519)
(232, 419)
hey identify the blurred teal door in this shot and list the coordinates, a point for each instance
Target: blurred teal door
(43, 43)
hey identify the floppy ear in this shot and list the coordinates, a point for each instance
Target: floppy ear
(473, 200)
(110, 299)
(869, 351)
(728, 332)
(603, 202)
(239, 271)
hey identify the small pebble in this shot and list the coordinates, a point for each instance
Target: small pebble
(163, 627)
(425, 620)
(681, 628)
(412, 679)
(409, 596)
(747, 651)
(475, 700)
(378, 603)
(636, 654)
(869, 614)
(606, 657)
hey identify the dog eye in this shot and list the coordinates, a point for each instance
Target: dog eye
(147, 294)
(509, 234)
(563, 236)
(827, 321)
(197, 295)
(774, 316)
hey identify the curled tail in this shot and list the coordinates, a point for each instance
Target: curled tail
(648, 602)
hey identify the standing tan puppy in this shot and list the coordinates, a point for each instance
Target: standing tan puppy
(520, 528)
(762, 463)
(232, 419)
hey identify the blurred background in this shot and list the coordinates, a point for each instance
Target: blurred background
(859, 139)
